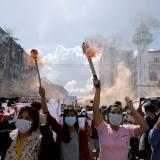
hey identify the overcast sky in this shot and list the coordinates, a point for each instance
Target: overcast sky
(44, 24)
(60, 26)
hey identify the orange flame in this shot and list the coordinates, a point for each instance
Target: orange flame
(34, 53)
(88, 50)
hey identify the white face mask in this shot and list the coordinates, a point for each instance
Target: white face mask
(23, 125)
(115, 119)
(81, 122)
(90, 114)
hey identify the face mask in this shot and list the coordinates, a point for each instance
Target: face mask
(90, 114)
(115, 119)
(23, 125)
(70, 121)
(81, 122)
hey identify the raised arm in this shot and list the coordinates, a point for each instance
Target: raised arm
(43, 100)
(141, 103)
(56, 127)
(48, 145)
(97, 117)
(141, 124)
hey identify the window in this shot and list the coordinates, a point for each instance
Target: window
(156, 60)
(153, 76)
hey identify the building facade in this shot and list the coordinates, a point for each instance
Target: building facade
(108, 66)
(143, 63)
(18, 74)
(13, 65)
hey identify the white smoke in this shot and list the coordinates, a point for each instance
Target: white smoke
(152, 22)
(122, 87)
(97, 42)
(68, 68)
(74, 88)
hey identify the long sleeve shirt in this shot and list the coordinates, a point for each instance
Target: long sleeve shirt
(154, 139)
(83, 142)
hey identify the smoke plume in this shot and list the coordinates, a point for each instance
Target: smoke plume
(120, 89)
(155, 91)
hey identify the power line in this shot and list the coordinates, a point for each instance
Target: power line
(70, 64)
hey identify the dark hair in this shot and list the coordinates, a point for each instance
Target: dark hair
(150, 107)
(113, 106)
(33, 113)
(118, 103)
(66, 138)
(36, 105)
(110, 108)
(9, 103)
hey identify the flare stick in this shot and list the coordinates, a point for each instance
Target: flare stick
(85, 46)
(35, 54)
(39, 78)
(92, 68)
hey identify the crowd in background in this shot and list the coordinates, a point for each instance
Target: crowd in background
(114, 132)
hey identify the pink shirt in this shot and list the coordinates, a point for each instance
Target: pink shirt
(114, 145)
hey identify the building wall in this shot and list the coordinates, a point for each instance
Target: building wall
(108, 67)
(109, 64)
(18, 75)
(13, 66)
(154, 68)
(145, 69)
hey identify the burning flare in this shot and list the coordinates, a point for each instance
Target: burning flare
(88, 50)
(35, 54)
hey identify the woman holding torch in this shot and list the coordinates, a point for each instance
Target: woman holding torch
(73, 141)
(114, 138)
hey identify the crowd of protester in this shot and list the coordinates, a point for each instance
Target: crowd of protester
(113, 132)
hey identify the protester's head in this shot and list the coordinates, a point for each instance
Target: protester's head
(118, 103)
(114, 114)
(9, 103)
(36, 105)
(150, 110)
(27, 120)
(103, 110)
(70, 119)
